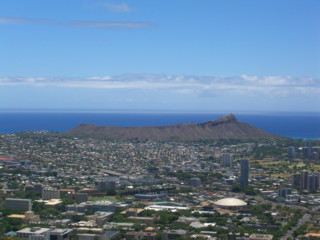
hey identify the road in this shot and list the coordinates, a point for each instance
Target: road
(306, 217)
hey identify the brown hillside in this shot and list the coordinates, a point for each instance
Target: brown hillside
(226, 127)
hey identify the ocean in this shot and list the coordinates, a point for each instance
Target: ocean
(294, 125)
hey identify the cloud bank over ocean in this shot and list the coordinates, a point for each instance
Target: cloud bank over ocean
(196, 85)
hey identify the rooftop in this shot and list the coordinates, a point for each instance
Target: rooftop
(230, 202)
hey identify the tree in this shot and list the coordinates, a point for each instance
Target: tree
(246, 189)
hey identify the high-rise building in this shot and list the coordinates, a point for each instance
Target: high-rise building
(307, 149)
(244, 171)
(317, 180)
(291, 152)
(284, 192)
(111, 185)
(296, 180)
(313, 182)
(50, 193)
(226, 160)
(102, 187)
(304, 180)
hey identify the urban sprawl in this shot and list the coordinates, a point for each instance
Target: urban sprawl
(58, 187)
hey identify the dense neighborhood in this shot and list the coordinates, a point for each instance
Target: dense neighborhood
(56, 187)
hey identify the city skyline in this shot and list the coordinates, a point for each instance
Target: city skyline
(182, 56)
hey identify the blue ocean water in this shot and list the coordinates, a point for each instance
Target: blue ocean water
(288, 125)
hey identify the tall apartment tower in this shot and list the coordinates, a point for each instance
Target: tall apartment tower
(296, 180)
(307, 149)
(244, 172)
(284, 192)
(102, 186)
(111, 185)
(313, 182)
(291, 152)
(226, 160)
(304, 180)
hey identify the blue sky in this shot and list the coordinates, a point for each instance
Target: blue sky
(208, 55)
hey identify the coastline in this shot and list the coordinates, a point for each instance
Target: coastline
(292, 125)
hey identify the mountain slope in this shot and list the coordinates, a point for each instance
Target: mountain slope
(226, 127)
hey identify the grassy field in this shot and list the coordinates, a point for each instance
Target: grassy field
(107, 198)
(287, 166)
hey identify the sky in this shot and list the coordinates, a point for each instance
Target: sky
(143, 55)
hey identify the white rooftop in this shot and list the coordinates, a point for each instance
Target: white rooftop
(230, 202)
(33, 230)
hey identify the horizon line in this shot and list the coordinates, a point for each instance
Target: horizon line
(152, 111)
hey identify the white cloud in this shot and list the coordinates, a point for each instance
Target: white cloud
(109, 25)
(109, 6)
(100, 78)
(8, 20)
(81, 24)
(250, 85)
(21, 20)
(121, 7)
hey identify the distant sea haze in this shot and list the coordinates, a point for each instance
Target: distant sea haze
(295, 125)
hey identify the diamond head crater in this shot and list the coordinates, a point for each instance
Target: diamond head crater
(227, 127)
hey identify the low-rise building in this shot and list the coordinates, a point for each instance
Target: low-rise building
(100, 217)
(256, 236)
(132, 212)
(104, 206)
(174, 234)
(80, 208)
(202, 236)
(87, 236)
(141, 235)
(109, 235)
(52, 233)
(81, 197)
(18, 203)
(28, 217)
(59, 233)
(34, 231)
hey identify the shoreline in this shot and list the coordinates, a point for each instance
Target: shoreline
(294, 125)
